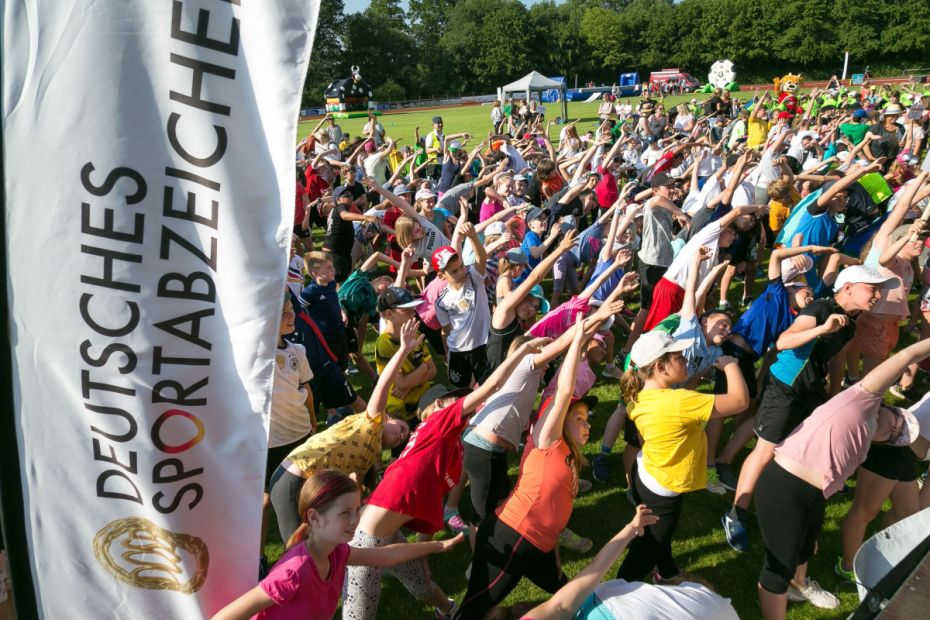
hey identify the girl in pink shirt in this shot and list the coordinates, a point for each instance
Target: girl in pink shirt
(307, 580)
(812, 464)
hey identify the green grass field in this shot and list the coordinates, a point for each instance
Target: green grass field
(699, 547)
(475, 120)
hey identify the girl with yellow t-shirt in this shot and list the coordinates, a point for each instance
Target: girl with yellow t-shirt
(673, 460)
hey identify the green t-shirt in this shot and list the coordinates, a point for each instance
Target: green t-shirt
(854, 131)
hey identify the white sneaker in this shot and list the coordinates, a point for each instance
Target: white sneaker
(713, 483)
(813, 594)
(611, 372)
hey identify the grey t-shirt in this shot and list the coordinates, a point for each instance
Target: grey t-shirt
(450, 199)
(657, 237)
(507, 412)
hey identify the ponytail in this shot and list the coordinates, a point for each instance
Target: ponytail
(319, 492)
(299, 535)
(630, 384)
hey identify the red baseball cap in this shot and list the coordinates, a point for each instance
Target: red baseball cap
(442, 256)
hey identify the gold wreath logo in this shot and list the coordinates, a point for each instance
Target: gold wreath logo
(144, 555)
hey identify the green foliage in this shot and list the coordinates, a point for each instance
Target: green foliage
(389, 91)
(451, 47)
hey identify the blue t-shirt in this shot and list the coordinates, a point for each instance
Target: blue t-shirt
(700, 355)
(807, 365)
(322, 304)
(766, 318)
(531, 240)
(798, 216)
(605, 289)
(588, 244)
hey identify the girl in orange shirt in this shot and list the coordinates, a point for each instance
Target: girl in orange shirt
(522, 539)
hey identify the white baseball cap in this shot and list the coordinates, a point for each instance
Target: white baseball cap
(652, 345)
(790, 271)
(424, 193)
(495, 228)
(864, 274)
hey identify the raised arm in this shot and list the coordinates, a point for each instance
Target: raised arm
(500, 375)
(736, 400)
(852, 175)
(409, 340)
(896, 217)
(550, 427)
(888, 372)
(508, 306)
(564, 604)
(688, 307)
(781, 254)
(405, 207)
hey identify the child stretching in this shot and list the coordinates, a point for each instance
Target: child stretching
(307, 580)
(672, 461)
(433, 460)
(522, 539)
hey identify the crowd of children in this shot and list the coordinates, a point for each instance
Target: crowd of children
(497, 281)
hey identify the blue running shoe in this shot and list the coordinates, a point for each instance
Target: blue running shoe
(737, 535)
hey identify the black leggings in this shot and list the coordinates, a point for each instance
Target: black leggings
(654, 548)
(790, 513)
(503, 557)
(284, 491)
(487, 473)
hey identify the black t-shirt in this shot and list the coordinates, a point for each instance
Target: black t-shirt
(889, 142)
(340, 233)
(450, 175)
(575, 207)
(711, 105)
(815, 370)
(357, 190)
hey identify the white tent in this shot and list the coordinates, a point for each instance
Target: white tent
(535, 82)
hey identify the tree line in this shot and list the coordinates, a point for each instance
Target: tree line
(465, 47)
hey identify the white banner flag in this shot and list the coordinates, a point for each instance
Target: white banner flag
(149, 176)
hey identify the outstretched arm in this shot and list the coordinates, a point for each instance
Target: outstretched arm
(887, 373)
(564, 604)
(391, 555)
(781, 254)
(508, 306)
(408, 342)
(688, 307)
(550, 427)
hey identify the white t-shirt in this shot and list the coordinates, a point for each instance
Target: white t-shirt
(467, 311)
(745, 192)
(290, 420)
(642, 601)
(517, 163)
(431, 240)
(651, 156)
(376, 165)
(678, 270)
(697, 200)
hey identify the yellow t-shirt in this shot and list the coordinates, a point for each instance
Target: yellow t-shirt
(352, 445)
(756, 133)
(779, 211)
(674, 446)
(385, 348)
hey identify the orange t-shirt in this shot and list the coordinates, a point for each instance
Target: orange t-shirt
(541, 504)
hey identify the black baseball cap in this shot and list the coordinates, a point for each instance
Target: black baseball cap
(437, 120)
(537, 214)
(661, 179)
(395, 297)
